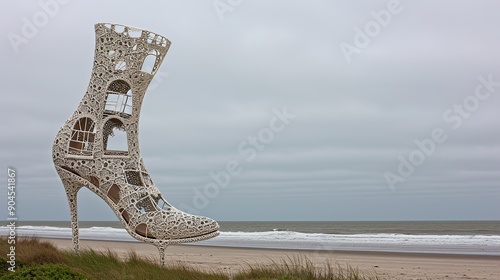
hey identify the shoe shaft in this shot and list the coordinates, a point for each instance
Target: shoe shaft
(125, 61)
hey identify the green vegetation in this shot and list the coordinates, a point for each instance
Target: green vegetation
(299, 268)
(41, 260)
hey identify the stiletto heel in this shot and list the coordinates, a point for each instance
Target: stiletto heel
(126, 60)
(161, 250)
(74, 219)
(72, 200)
(71, 192)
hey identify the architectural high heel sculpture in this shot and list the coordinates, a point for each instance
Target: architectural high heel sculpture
(126, 59)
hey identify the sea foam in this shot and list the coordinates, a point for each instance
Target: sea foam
(383, 242)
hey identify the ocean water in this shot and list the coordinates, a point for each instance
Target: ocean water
(451, 237)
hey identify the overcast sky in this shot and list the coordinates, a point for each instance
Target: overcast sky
(335, 95)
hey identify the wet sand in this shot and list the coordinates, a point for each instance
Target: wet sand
(384, 265)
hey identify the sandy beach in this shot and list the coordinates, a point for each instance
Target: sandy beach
(385, 265)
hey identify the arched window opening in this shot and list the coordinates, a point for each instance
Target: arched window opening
(82, 137)
(118, 99)
(149, 64)
(115, 138)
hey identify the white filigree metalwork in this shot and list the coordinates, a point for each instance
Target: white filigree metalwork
(126, 59)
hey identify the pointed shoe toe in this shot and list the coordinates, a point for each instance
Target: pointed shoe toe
(182, 227)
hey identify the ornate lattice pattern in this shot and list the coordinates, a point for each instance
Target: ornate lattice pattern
(126, 59)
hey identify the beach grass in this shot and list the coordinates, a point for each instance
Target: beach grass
(298, 268)
(37, 259)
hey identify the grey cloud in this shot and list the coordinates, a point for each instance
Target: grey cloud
(221, 80)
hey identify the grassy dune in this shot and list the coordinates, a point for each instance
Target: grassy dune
(41, 260)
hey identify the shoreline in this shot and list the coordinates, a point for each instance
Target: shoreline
(233, 259)
(309, 251)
